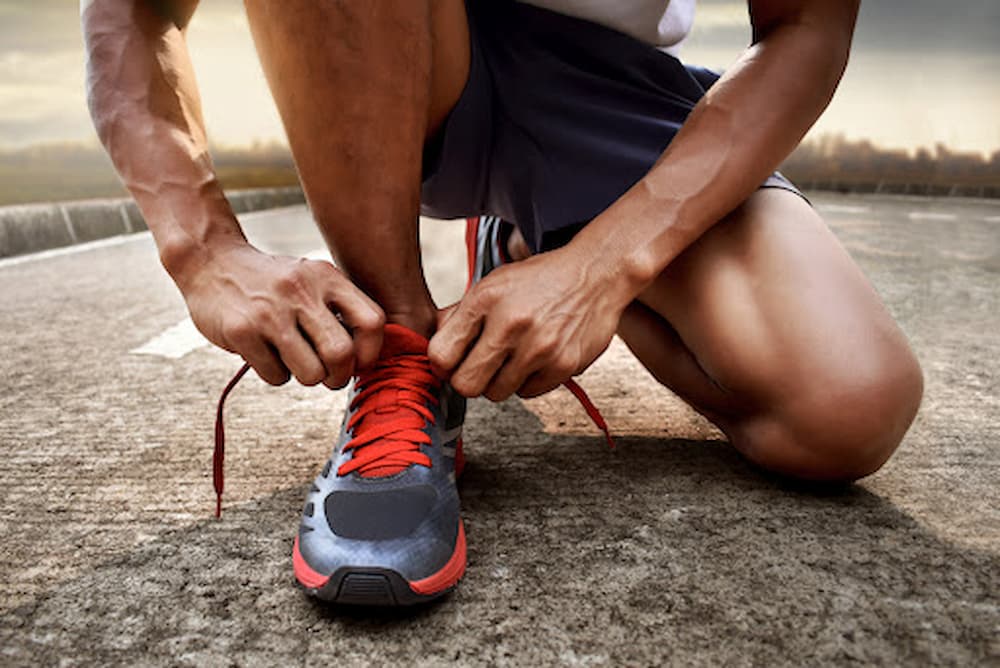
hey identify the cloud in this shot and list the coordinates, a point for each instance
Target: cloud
(922, 71)
(954, 26)
(42, 65)
(45, 127)
(914, 26)
(712, 16)
(939, 56)
(47, 26)
(40, 26)
(43, 94)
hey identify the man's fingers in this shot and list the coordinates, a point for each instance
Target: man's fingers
(298, 355)
(332, 344)
(539, 384)
(364, 318)
(449, 344)
(479, 367)
(546, 379)
(444, 314)
(265, 362)
(365, 324)
(510, 377)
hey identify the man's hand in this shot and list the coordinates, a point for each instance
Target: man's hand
(285, 315)
(528, 326)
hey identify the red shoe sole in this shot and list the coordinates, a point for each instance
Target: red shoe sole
(377, 586)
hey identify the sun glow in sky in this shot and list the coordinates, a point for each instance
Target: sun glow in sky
(922, 72)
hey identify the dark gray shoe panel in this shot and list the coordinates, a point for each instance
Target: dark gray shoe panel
(393, 513)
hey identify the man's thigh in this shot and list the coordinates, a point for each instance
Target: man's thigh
(450, 59)
(781, 319)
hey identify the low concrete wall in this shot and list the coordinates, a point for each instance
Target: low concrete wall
(30, 228)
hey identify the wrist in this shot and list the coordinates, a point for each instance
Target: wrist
(189, 243)
(184, 256)
(190, 230)
(621, 272)
(606, 276)
(636, 238)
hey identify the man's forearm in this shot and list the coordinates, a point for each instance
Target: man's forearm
(284, 315)
(145, 106)
(734, 138)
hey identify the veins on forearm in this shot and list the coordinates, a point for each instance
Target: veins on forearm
(140, 91)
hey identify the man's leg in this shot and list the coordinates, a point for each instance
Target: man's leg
(767, 327)
(360, 86)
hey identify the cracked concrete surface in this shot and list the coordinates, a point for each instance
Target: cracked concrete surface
(670, 550)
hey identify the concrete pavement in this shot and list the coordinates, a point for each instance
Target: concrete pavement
(672, 550)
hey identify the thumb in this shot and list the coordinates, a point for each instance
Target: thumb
(457, 328)
(444, 314)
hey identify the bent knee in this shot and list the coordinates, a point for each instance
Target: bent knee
(840, 428)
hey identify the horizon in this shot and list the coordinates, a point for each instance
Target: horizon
(275, 143)
(942, 61)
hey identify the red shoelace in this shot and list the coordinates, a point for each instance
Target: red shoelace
(592, 412)
(391, 409)
(391, 412)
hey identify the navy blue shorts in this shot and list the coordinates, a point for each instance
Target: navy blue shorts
(558, 118)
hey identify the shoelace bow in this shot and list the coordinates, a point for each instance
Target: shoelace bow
(399, 436)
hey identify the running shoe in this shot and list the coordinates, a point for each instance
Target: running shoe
(381, 524)
(485, 243)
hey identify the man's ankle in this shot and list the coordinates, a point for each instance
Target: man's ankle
(423, 322)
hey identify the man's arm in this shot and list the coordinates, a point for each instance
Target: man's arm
(147, 112)
(274, 311)
(737, 135)
(528, 326)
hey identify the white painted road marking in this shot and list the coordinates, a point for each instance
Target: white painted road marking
(920, 215)
(992, 219)
(178, 340)
(174, 342)
(843, 208)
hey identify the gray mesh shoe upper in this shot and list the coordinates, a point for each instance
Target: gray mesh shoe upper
(402, 518)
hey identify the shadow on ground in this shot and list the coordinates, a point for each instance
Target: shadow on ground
(664, 551)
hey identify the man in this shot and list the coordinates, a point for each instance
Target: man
(559, 116)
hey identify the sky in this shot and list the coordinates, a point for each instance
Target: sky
(922, 72)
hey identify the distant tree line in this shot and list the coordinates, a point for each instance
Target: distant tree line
(68, 171)
(62, 171)
(835, 163)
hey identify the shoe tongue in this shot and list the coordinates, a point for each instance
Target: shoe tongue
(396, 340)
(399, 340)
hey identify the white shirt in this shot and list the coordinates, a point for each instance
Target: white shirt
(662, 23)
